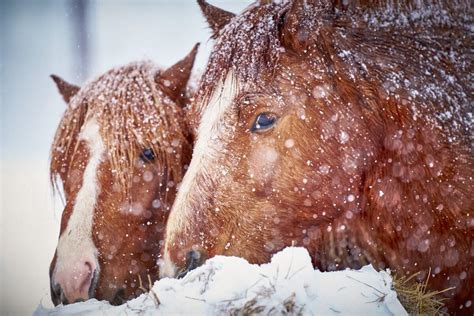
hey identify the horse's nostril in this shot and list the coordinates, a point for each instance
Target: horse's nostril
(89, 266)
(55, 290)
(94, 281)
(194, 259)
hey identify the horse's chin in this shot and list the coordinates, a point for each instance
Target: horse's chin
(119, 298)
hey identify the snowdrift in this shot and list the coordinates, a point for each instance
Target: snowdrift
(288, 284)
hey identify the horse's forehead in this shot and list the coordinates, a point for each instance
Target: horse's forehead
(248, 46)
(91, 146)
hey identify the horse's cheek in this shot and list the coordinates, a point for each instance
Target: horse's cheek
(263, 161)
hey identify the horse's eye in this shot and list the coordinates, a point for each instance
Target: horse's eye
(264, 122)
(147, 155)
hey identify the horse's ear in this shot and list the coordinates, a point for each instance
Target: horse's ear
(216, 18)
(298, 22)
(66, 89)
(173, 81)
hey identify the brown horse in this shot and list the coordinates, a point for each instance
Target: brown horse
(342, 127)
(120, 150)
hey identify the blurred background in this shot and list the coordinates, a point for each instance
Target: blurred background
(78, 40)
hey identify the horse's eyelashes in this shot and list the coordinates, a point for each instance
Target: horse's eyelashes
(147, 155)
(264, 122)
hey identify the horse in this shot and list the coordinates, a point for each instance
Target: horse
(343, 127)
(119, 152)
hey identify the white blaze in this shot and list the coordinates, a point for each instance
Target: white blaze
(204, 150)
(75, 243)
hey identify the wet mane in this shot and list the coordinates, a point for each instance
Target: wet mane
(344, 37)
(251, 43)
(133, 114)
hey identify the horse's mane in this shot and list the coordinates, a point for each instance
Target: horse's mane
(133, 114)
(251, 44)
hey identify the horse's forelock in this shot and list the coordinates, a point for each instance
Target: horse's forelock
(248, 46)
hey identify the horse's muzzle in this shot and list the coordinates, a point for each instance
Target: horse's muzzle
(75, 288)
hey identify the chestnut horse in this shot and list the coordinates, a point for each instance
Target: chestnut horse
(120, 150)
(346, 129)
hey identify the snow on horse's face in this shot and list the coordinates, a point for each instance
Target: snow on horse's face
(119, 151)
(335, 133)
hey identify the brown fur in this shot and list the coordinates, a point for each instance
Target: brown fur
(371, 158)
(136, 110)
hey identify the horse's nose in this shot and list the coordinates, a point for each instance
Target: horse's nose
(194, 259)
(74, 284)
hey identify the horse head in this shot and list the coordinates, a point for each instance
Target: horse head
(321, 128)
(119, 151)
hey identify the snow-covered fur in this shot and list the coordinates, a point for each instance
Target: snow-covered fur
(119, 151)
(369, 156)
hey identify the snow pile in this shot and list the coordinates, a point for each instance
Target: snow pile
(229, 284)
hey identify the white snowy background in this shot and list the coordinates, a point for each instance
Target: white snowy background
(40, 37)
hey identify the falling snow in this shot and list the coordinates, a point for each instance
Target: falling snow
(212, 288)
